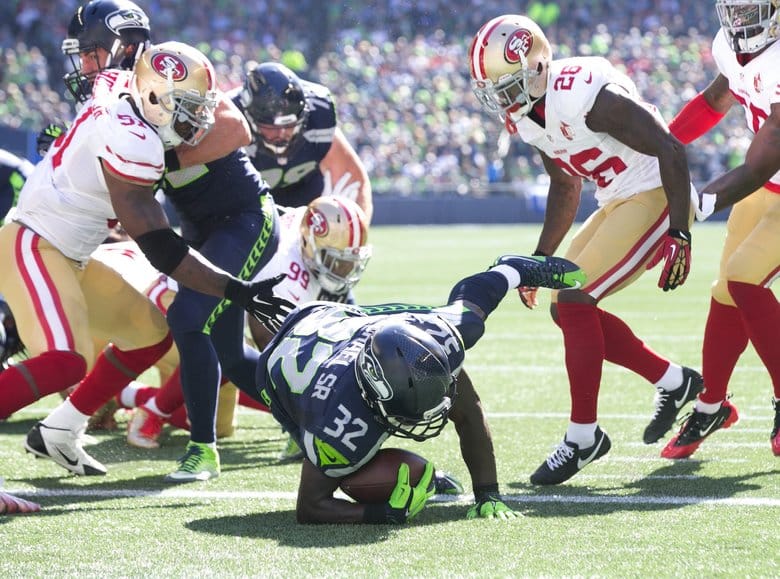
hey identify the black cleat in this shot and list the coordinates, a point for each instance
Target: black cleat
(567, 460)
(668, 404)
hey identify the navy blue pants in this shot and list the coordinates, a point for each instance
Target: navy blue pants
(209, 331)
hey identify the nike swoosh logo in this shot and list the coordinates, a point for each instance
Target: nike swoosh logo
(714, 424)
(69, 460)
(141, 136)
(678, 403)
(590, 78)
(581, 463)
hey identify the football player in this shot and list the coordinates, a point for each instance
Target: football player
(102, 170)
(588, 122)
(743, 307)
(323, 250)
(297, 145)
(13, 173)
(342, 379)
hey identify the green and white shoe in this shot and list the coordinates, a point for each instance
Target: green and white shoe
(200, 462)
(291, 451)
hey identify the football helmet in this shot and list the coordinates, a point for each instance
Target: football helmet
(276, 109)
(749, 25)
(509, 60)
(176, 91)
(405, 378)
(334, 231)
(118, 26)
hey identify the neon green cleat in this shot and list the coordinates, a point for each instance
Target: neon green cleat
(541, 271)
(200, 462)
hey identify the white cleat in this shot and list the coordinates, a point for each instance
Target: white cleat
(64, 447)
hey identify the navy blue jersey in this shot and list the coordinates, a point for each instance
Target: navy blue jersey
(205, 196)
(300, 180)
(308, 373)
(13, 174)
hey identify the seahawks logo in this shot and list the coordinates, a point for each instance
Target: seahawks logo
(121, 19)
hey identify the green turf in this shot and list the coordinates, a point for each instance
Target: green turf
(630, 514)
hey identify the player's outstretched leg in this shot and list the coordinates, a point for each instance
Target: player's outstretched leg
(668, 404)
(541, 271)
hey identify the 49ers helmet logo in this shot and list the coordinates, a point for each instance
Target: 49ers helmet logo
(164, 62)
(518, 45)
(317, 223)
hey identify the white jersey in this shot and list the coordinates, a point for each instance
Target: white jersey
(572, 87)
(300, 286)
(65, 199)
(756, 85)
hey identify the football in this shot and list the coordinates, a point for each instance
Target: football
(376, 480)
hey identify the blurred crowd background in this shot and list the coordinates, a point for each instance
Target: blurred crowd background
(398, 70)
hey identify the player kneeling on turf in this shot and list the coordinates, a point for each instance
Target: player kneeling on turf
(341, 379)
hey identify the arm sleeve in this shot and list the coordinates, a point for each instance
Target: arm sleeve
(694, 119)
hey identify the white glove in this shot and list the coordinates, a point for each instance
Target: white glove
(342, 188)
(706, 206)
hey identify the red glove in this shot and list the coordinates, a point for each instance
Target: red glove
(675, 251)
(528, 296)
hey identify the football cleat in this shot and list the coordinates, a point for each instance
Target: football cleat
(541, 271)
(567, 460)
(446, 484)
(669, 402)
(775, 436)
(64, 447)
(199, 463)
(291, 451)
(144, 428)
(11, 505)
(697, 427)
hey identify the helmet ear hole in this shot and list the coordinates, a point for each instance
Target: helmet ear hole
(153, 98)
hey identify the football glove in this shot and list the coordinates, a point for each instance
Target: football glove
(259, 300)
(675, 251)
(488, 505)
(47, 136)
(341, 188)
(11, 505)
(406, 501)
(706, 206)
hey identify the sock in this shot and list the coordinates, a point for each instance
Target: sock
(725, 339)
(245, 399)
(583, 435)
(113, 369)
(30, 380)
(706, 407)
(66, 415)
(623, 347)
(170, 396)
(127, 398)
(761, 317)
(151, 406)
(672, 378)
(584, 344)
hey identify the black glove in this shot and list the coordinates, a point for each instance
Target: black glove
(259, 300)
(47, 136)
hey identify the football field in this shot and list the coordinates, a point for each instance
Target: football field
(630, 514)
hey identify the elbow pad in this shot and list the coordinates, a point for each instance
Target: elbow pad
(164, 249)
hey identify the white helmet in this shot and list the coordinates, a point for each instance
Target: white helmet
(509, 59)
(749, 25)
(176, 87)
(334, 232)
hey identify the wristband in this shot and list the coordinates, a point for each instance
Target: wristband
(483, 492)
(375, 514)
